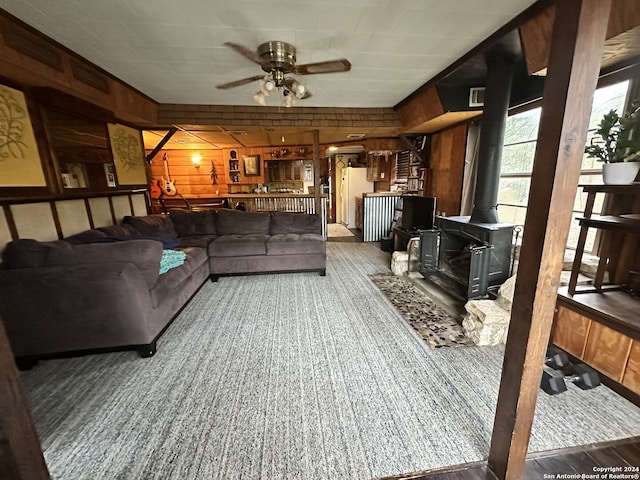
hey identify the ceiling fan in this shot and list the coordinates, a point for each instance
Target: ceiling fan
(278, 59)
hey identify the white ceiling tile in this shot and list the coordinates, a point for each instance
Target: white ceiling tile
(172, 50)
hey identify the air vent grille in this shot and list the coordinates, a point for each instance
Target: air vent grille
(476, 97)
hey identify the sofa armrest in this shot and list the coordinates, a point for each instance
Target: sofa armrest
(67, 308)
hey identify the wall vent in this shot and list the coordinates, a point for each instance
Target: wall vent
(476, 97)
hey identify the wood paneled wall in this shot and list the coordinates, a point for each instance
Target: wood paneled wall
(34, 60)
(447, 168)
(192, 182)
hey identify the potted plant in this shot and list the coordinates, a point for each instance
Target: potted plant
(617, 145)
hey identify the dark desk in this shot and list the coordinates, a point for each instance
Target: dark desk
(401, 238)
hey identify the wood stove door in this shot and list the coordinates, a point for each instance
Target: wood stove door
(429, 240)
(478, 271)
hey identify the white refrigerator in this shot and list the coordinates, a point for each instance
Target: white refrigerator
(354, 184)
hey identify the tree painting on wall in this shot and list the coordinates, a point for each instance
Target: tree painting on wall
(20, 164)
(128, 154)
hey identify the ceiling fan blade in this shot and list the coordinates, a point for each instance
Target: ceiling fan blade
(330, 66)
(245, 52)
(237, 83)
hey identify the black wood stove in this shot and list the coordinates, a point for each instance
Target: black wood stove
(475, 252)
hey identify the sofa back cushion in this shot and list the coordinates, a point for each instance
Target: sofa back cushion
(119, 231)
(152, 225)
(237, 222)
(25, 253)
(88, 236)
(144, 254)
(193, 223)
(283, 223)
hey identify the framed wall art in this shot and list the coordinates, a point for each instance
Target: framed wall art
(128, 154)
(251, 165)
(20, 164)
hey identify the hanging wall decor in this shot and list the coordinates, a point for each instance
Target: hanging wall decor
(128, 154)
(20, 164)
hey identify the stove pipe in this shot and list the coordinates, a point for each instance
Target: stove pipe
(494, 118)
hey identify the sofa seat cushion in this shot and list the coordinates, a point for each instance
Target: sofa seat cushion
(168, 281)
(284, 222)
(193, 223)
(238, 245)
(295, 244)
(201, 241)
(236, 222)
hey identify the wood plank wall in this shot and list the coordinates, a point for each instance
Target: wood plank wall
(447, 166)
(192, 182)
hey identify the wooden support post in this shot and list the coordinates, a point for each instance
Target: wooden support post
(574, 62)
(316, 172)
(20, 453)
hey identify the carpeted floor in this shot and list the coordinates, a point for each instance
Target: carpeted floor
(292, 376)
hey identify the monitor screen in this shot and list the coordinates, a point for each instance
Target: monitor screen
(418, 213)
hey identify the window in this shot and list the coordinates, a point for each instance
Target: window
(521, 133)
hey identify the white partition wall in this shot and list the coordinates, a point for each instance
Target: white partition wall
(72, 215)
(55, 219)
(139, 204)
(100, 212)
(35, 220)
(121, 207)
(5, 233)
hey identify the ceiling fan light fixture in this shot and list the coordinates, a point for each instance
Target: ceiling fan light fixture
(288, 100)
(267, 85)
(260, 97)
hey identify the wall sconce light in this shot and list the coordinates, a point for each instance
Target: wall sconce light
(196, 158)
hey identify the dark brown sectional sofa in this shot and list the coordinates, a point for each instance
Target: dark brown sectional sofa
(102, 290)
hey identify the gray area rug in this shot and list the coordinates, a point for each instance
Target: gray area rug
(434, 324)
(292, 376)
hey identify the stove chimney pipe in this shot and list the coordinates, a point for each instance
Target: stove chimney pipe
(494, 118)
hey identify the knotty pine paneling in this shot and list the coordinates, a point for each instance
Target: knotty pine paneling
(189, 180)
(447, 168)
(632, 373)
(607, 350)
(192, 182)
(570, 331)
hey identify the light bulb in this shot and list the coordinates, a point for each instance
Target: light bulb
(260, 97)
(298, 88)
(196, 160)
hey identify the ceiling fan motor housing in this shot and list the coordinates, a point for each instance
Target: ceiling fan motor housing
(276, 56)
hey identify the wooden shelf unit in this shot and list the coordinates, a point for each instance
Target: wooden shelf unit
(600, 324)
(602, 329)
(615, 222)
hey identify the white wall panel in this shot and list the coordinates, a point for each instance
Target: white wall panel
(121, 207)
(100, 212)
(73, 217)
(35, 220)
(5, 233)
(139, 204)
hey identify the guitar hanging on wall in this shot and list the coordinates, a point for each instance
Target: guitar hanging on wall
(167, 185)
(154, 189)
